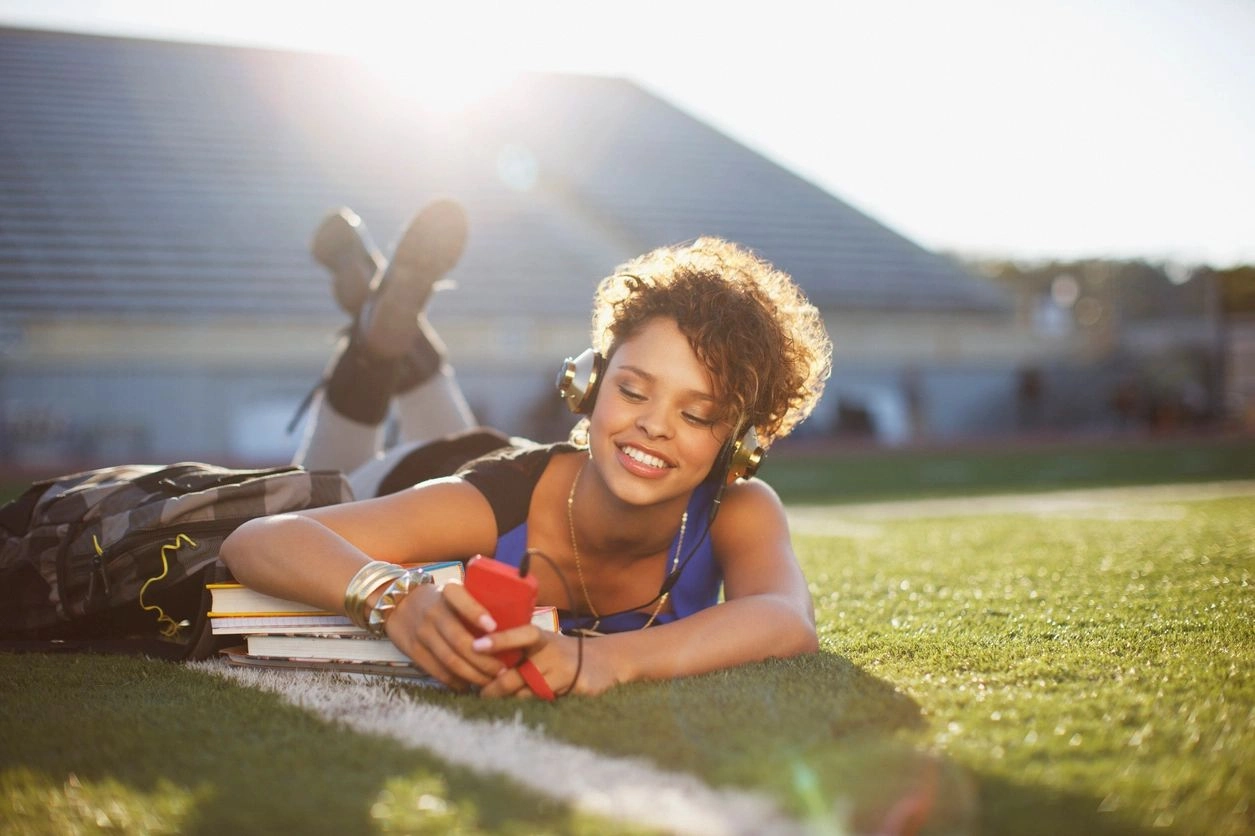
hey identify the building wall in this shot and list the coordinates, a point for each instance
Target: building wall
(113, 391)
(1238, 375)
(109, 391)
(902, 377)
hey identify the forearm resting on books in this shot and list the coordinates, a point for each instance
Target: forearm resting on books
(293, 557)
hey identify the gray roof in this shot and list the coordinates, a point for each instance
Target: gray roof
(144, 177)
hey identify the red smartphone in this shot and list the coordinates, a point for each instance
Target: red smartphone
(509, 598)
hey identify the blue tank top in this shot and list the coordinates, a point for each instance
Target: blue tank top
(508, 478)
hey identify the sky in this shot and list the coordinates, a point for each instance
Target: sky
(1025, 129)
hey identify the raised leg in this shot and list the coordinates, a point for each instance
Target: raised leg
(391, 349)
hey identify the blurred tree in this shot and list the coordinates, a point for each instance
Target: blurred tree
(1149, 323)
(1237, 289)
(1139, 289)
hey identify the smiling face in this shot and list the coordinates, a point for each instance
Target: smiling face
(654, 433)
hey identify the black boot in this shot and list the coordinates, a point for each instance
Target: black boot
(342, 245)
(360, 385)
(430, 246)
(390, 347)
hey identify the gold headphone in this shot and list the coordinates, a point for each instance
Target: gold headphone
(580, 378)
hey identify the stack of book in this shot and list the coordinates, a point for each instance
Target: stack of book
(277, 633)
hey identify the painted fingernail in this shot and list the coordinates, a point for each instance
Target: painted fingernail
(488, 623)
(482, 643)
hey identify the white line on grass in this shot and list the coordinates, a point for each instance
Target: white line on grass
(628, 789)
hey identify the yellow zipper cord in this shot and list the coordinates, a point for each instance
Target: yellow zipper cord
(171, 627)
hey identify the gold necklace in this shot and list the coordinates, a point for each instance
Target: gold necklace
(579, 569)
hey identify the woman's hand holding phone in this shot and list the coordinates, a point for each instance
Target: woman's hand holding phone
(438, 628)
(510, 599)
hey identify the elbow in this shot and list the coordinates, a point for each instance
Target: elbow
(797, 641)
(804, 640)
(793, 634)
(793, 631)
(239, 545)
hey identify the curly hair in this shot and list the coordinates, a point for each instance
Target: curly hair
(763, 343)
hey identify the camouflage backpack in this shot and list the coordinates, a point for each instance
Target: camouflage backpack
(116, 559)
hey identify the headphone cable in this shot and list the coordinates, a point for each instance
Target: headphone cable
(524, 567)
(673, 577)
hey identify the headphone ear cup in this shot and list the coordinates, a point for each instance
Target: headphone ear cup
(745, 457)
(579, 379)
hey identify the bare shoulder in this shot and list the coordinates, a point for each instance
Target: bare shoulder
(751, 502)
(751, 519)
(752, 543)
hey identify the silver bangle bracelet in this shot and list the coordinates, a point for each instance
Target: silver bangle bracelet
(369, 578)
(392, 596)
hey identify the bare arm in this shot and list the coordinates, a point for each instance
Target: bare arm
(767, 609)
(311, 556)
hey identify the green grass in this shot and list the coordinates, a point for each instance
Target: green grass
(131, 745)
(875, 474)
(1032, 675)
(1074, 666)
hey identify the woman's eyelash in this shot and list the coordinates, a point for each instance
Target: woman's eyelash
(633, 395)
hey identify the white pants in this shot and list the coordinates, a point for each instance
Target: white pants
(433, 409)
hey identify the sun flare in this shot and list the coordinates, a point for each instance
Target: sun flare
(444, 81)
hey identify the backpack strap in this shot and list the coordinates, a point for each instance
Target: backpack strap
(190, 477)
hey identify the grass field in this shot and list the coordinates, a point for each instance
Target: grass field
(1085, 668)
(858, 474)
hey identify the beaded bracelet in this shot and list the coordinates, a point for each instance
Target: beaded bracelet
(369, 578)
(391, 597)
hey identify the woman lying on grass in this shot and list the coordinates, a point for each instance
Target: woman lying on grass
(704, 346)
